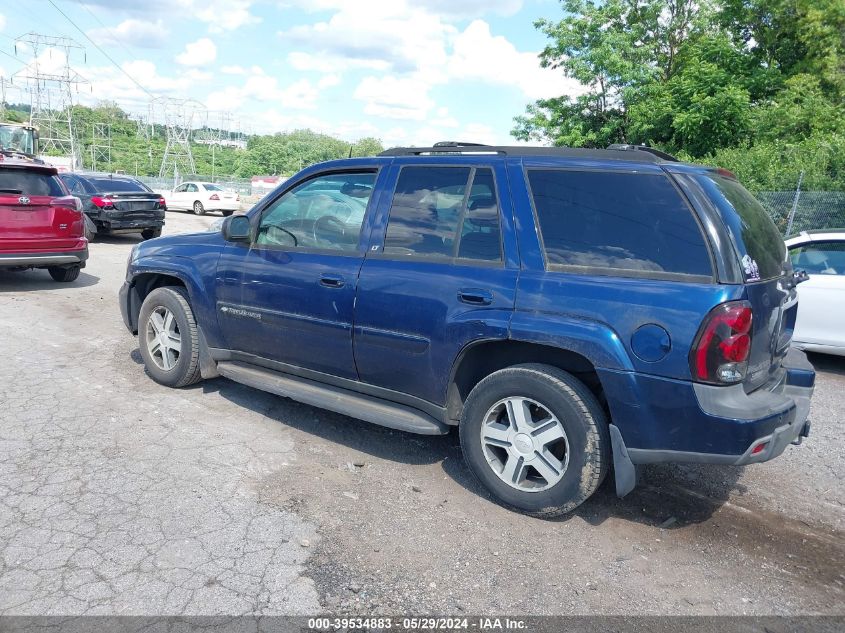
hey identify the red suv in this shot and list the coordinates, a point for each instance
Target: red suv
(41, 226)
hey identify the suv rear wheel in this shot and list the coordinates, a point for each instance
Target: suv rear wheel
(536, 438)
(167, 337)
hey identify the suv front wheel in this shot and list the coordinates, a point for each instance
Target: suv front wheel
(167, 337)
(536, 437)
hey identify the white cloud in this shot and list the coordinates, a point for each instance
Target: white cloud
(199, 53)
(234, 70)
(327, 81)
(2, 22)
(397, 37)
(479, 55)
(225, 15)
(140, 33)
(451, 8)
(395, 97)
(258, 88)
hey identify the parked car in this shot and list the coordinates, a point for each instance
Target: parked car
(562, 307)
(41, 225)
(821, 254)
(200, 197)
(117, 204)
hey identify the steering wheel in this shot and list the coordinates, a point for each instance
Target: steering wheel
(329, 223)
(280, 228)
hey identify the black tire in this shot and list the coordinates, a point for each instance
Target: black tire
(64, 274)
(583, 420)
(148, 234)
(198, 208)
(186, 370)
(227, 213)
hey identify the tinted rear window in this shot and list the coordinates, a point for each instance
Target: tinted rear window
(617, 223)
(760, 246)
(29, 183)
(108, 185)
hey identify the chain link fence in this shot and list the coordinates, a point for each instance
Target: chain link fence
(796, 211)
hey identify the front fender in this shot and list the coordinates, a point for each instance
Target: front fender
(195, 274)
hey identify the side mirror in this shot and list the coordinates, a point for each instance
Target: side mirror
(236, 228)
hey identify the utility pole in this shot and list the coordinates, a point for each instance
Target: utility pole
(51, 81)
(178, 115)
(101, 144)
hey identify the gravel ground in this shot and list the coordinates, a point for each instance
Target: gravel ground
(118, 496)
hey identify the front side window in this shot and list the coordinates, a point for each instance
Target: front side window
(180, 189)
(191, 188)
(326, 212)
(618, 223)
(444, 212)
(819, 258)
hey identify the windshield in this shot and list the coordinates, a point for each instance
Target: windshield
(114, 185)
(210, 187)
(760, 246)
(17, 138)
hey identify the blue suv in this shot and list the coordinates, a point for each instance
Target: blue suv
(566, 309)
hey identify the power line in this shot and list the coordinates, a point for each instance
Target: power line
(105, 54)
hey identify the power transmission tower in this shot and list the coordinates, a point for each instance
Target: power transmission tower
(101, 145)
(51, 81)
(178, 116)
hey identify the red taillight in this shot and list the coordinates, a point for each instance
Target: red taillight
(759, 448)
(102, 202)
(720, 352)
(68, 202)
(214, 196)
(162, 202)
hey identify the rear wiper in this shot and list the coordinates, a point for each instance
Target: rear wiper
(17, 191)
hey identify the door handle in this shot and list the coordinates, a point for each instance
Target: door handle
(332, 281)
(475, 296)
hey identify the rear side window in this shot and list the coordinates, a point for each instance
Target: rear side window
(760, 246)
(29, 183)
(446, 213)
(108, 185)
(617, 223)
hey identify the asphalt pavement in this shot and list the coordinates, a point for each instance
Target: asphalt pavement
(120, 496)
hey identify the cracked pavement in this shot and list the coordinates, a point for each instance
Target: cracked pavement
(122, 497)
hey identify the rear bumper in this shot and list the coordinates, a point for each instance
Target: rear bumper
(675, 421)
(42, 260)
(128, 222)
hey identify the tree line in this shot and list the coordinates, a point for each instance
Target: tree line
(272, 154)
(755, 86)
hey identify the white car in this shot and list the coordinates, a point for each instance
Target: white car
(820, 325)
(200, 197)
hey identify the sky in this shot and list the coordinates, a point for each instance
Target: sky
(409, 72)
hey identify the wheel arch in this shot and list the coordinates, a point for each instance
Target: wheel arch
(144, 283)
(481, 358)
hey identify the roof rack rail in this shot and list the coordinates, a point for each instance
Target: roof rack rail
(628, 153)
(444, 147)
(642, 148)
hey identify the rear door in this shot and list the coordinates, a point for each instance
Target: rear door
(820, 316)
(762, 255)
(29, 221)
(437, 276)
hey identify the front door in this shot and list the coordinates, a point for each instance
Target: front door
(442, 278)
(289, 296)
